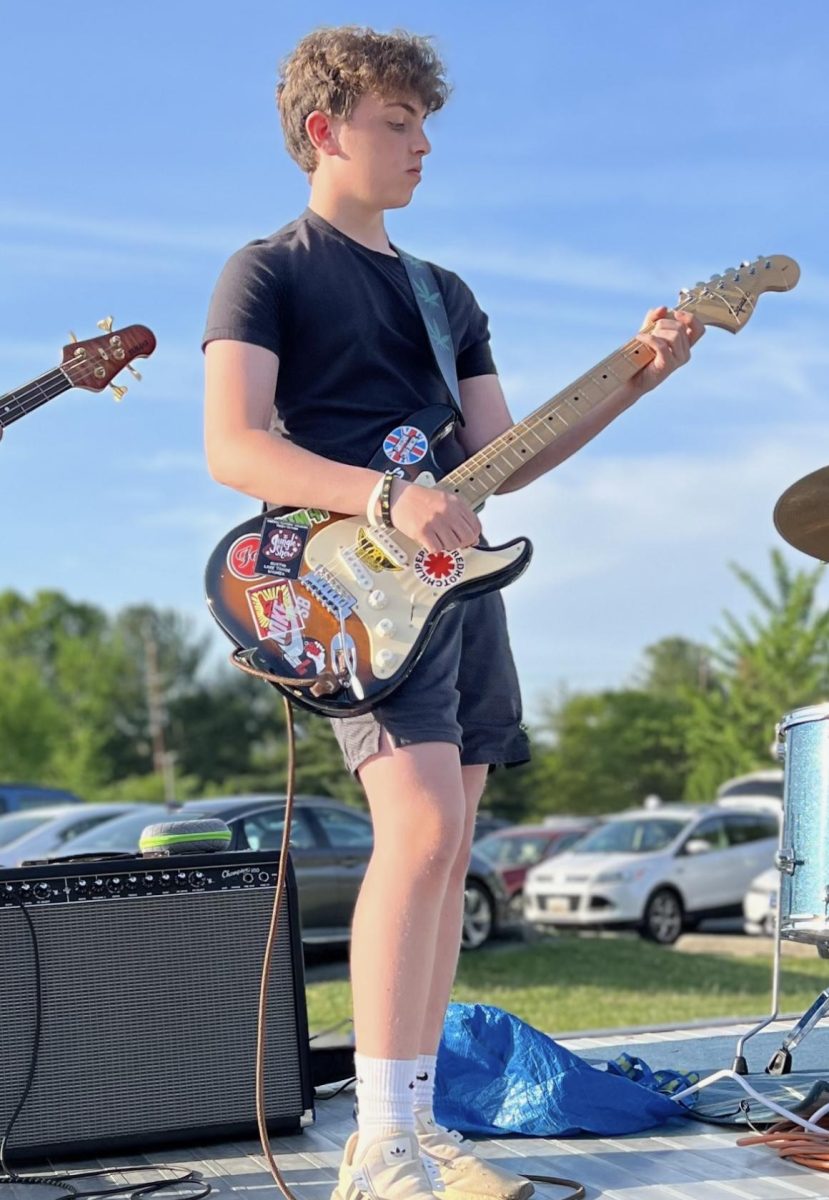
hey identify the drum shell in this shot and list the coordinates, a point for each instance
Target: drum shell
(804, 886)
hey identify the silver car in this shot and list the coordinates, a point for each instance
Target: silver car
(39, 832)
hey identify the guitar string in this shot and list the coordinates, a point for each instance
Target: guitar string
(421, 588)
(30, 390)
(502, 444)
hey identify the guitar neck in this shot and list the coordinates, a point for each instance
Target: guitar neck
(16, 404)
(483, 473)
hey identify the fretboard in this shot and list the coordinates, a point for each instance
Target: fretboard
(484, 472)
(16, 404)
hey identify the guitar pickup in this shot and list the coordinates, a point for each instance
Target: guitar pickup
(355, 568)
(384, 541)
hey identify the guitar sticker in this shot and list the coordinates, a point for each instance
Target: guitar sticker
(405, 445)
(278, 613)
(281, 547)
(241, 557)
(343, 658)
(307, 659)
(439, 568)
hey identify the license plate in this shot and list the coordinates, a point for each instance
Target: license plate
(558, 904)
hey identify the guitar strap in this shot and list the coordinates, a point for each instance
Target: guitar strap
(433, 311)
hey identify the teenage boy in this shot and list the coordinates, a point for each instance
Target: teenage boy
(318, 323)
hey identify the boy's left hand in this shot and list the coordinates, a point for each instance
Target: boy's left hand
(671, 334)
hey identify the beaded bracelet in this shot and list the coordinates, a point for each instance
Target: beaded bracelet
(385, 499)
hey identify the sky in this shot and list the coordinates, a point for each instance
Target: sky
(593, 159)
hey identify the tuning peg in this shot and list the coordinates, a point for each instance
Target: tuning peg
(118, 392)
(105, 324)
(135, 374)
(73, 337)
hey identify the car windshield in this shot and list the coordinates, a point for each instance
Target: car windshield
(17, 826)
(634, 835)
(516, 850)
(121, 833)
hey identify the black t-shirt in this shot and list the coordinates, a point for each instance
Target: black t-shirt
(354, 356)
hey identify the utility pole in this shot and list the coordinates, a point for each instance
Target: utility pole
(162, 757)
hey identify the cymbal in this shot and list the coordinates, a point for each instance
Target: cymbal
(801, 515)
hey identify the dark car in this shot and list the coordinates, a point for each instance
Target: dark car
(17, 797)
(514, 849)
(330, 847)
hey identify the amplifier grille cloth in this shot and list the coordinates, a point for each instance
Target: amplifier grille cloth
(149, 1015)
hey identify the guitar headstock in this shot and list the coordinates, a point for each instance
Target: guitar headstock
(93, 364)
(728, 300)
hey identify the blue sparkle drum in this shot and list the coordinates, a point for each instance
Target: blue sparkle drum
(803, 858)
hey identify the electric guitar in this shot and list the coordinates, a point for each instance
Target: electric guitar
(335, 613)
(92, 365)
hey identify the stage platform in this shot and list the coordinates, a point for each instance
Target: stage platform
(685, 1160)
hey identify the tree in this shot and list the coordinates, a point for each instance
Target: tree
(774, 661)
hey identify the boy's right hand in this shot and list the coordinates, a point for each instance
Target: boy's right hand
(433, 518)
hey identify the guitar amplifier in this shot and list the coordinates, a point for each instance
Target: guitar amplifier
(149, 980)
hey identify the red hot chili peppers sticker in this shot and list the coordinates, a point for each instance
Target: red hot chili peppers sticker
(439, 568)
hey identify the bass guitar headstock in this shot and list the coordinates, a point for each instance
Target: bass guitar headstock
(94, 363)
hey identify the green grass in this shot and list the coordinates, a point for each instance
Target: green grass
(596, 983)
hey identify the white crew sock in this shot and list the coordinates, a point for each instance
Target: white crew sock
(385, 1097)
(424, 1093)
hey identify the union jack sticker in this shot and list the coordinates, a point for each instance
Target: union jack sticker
(405, 445)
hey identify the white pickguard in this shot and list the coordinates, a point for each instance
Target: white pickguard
(401, 599)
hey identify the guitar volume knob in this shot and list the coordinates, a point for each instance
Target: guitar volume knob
(385, 659)
(377, 599)
(385, 628)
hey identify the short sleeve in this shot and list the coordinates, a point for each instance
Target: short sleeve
(246, 302)
(470, 328)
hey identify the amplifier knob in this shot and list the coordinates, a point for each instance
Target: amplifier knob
(114, 883)
(132, 880)
(181, 877)
(197, 877)
(25, 887)
(9, 889)
(165, 877)
(98, 885)
(81, 885)
(42, 889)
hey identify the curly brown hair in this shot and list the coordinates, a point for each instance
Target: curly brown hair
(331, 69)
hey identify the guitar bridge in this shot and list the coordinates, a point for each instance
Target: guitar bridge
(325, 588)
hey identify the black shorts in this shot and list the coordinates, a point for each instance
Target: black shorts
(464, 690)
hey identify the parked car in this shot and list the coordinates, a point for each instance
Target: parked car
(36, 832)
(758, 789)
(486, 823)
(330, 847)
(761, 903)
(16, 797)
(516, 848)
(658, 870)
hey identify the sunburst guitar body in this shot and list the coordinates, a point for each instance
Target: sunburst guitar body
(344, 608)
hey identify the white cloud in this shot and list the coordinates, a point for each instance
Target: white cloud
(629, 550)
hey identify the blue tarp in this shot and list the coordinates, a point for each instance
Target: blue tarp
(496, 1074)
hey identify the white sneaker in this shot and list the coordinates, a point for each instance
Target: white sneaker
(389, 1168)
(457, 1173)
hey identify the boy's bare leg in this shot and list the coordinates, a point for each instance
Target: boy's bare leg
(450, 927)
(418, 806)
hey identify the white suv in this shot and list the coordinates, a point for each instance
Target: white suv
(656, 870)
